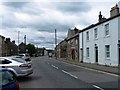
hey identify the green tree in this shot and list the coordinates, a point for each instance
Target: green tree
(31, 49)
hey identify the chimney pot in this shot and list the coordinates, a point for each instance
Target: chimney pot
(114, 11)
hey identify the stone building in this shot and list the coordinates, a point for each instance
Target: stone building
(73, 44)
(10, 47)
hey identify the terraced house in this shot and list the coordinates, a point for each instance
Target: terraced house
(100, 42)
(2, 46)
(73, 44)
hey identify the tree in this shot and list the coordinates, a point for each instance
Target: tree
(31, 49)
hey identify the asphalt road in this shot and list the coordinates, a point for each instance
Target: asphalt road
(49, 73)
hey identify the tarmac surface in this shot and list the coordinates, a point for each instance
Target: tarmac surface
(104, 68)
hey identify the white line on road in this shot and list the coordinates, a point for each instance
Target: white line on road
(94, 70)
(70, 74)
(98, 87)
(54, 66)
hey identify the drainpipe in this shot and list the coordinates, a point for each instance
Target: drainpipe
(82, 48)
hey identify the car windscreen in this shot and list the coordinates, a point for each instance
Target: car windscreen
(19, 60)
(21, 55)
(6, 78)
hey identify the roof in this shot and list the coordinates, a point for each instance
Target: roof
(76, 35)
(93, 25)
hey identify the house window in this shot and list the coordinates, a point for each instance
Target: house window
(95, 33)
(76, 41)
(87, 36)
(107, 51)
(87, 52)
(106, 29)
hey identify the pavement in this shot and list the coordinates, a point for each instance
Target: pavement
(104, 68)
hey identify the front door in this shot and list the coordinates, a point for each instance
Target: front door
(96, 54)
(119, 54)
(73, 54)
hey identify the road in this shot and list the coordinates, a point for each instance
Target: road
(50, 73)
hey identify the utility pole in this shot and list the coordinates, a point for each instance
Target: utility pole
(25, 44)
(18, 42)
(56, 43)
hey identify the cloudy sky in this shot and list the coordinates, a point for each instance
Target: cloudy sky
(39, 19)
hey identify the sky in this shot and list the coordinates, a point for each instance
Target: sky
(38, 19)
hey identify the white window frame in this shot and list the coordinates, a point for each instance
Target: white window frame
(107, 51)
(95, 33)
(87, 52)
(76, 41)
(87, 36)
(107, 29)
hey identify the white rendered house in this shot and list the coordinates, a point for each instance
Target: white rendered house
(100, 42)
(0, 45)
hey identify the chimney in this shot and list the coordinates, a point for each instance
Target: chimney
(76, 30)
(114, 11)
(101, 18)
(13, 42)
(119, 5)
(7, 39)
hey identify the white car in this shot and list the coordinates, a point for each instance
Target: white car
(25, 56)
(16, 66)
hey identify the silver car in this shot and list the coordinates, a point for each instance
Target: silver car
(17, 66)
(25, 56)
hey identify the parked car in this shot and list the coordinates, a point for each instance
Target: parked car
(8, 80)
(19, 58)
(16, 66)
(50, 54)
(25, 56)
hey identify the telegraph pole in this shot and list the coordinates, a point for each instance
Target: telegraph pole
(25, 43)
(18, 42)
(56, 43)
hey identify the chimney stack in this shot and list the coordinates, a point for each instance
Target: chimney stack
(119, 5)
(101, 18)
(8, 39)
(13, 41)
(114, 11)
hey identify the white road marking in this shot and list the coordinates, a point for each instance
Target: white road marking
(98, 87)
(70, 74)
(94, 70)
(54, 66)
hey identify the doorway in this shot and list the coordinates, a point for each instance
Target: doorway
(119, 53)
(73, 54)
(96, 53)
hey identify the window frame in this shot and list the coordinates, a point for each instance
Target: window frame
(96, 33)
(107, 51)
(87, 52)
(87, 36)
(107, 29)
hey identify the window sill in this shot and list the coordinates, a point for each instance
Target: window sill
(87, 57)
(87, 40)
(107, 36)
(107, 58)
(96, 39)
